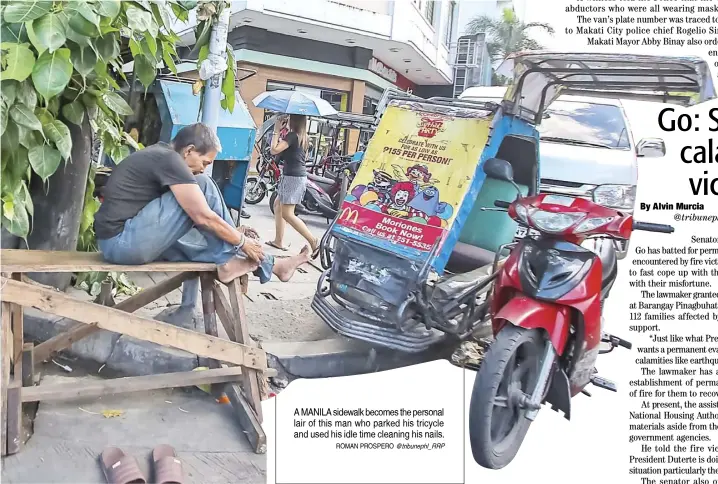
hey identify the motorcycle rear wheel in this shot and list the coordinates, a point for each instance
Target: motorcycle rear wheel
(509, 373)
(255, 190)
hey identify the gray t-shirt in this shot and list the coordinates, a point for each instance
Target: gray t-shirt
(135, 182)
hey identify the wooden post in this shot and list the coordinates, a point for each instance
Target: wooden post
(6, 350)
(210, 321)
(17, 337)
(28, 365)
(249, 380)
(14, 402)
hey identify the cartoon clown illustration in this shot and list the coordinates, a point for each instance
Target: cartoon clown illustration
(401, 194)
(418, 175)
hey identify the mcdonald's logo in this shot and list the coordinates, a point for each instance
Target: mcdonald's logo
(348, 213)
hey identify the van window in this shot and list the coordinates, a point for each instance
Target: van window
(599, 124)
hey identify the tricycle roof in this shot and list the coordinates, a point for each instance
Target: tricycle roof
(540, 77)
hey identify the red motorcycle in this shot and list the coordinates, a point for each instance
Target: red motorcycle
(264, 182)
(546, 317)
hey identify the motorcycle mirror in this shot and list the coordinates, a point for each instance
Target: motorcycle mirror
(499, 169)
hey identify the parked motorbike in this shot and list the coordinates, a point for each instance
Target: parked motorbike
(317, 200)
(546, 305)
(324, 195)
(264, 182)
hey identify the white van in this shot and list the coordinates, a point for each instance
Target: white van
(587, 149)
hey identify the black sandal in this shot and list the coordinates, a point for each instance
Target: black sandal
(272, 244)
(315, 252)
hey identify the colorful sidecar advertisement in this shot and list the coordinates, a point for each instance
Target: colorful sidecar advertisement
(415, 173)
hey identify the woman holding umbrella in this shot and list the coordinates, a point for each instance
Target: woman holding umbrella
(293, 183)
(292, 151)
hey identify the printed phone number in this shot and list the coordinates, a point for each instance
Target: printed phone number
(417, 244)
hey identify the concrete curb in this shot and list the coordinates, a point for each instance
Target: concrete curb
(306, 359)
(339, 357)
(119, 352)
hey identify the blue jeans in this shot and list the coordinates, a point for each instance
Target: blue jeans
(162, 230)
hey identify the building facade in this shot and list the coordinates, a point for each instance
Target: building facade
(345, 51)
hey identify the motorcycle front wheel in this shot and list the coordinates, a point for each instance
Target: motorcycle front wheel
(506, 379)
(255, 190)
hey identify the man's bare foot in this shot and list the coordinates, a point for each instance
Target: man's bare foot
(284, 268)
(234, 268)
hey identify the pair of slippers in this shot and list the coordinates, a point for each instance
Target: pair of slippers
(120, 468)
(315, 253)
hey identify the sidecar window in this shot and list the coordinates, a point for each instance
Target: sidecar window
(593, 123)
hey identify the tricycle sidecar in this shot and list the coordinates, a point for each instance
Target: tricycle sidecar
(412, 254)
(412, 214)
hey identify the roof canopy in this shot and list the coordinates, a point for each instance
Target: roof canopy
(540, 77)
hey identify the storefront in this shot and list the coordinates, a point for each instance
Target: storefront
(373, 93)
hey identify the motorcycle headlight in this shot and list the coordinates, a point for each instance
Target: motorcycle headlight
(615, 196)
(592, 223)
(554, 222)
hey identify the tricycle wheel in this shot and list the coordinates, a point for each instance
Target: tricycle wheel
(507, 378)
(255, 190)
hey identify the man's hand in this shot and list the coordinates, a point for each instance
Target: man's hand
(253, 249)
(248, 231)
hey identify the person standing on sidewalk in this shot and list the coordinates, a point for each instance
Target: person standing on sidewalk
(293, 182)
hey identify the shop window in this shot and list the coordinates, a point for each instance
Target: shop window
(429, 11)
(370, 105)
(450, 23)
(279, 86)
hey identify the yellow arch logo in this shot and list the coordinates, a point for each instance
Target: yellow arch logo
(348, 213)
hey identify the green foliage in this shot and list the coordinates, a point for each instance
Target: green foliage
(60, 65)
(507, 34)
(207, 13)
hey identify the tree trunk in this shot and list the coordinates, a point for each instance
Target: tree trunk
(58, 207)
(8, 240)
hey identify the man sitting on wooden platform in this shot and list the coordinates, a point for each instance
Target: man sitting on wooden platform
(158, 205)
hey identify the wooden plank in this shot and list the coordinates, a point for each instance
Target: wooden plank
(28, 365)
(5, 355)
(91, 389)
(144, 329)
(14, 417)
(250, 382)
(17, 336)
(44, 350)
(248, 419)
(16, 260)
(210, 321)
(221, 306)
(65, 340)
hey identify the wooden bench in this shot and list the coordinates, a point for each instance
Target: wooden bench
(245, 363)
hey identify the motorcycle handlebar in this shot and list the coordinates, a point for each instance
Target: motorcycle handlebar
(649, 227)
(501, 204)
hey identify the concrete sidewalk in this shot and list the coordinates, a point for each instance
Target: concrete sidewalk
(69, 437)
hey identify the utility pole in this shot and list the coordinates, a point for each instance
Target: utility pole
(210, 112)
(217, 62)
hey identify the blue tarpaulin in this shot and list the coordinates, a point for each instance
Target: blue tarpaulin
(236, 131)
(180, 108)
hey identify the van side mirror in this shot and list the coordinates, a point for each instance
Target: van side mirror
(651, 148)
(499, 169)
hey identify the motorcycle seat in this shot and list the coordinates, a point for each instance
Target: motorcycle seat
(320, 180)
(466, 258)
(455, 285)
